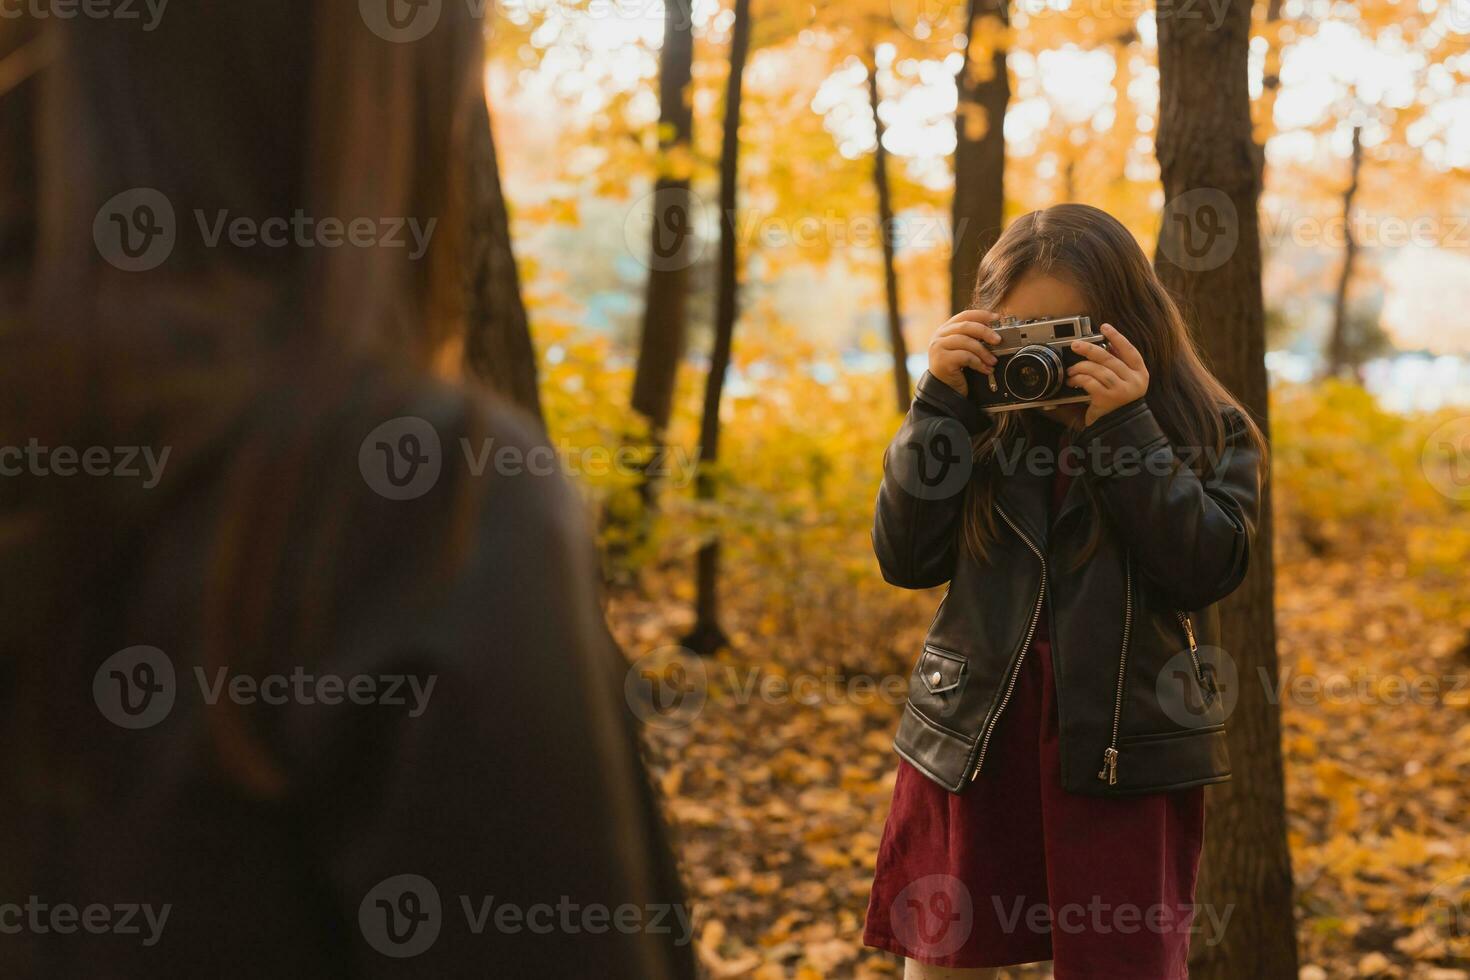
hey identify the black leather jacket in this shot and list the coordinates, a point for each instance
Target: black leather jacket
(1133, 629)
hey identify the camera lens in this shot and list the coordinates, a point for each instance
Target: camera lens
(1034, 372)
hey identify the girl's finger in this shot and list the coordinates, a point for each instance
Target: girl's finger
(1098, 354)
(984, 367)
(1099, 372)
(1086, 382)
(975, 316)
(956, 359)
(1124, 347)
(971, 328)
(964, 342)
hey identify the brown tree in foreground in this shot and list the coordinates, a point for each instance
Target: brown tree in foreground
(979, 152)
(497, 344)
(1205, 149)
(901, 384)
(707, 636)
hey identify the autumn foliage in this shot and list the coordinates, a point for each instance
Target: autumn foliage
(779, 786)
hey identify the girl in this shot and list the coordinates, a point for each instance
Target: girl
(1061, 721)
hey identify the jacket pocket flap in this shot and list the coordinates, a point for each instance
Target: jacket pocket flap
(940, 670)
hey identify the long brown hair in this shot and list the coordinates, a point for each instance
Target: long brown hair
(1096, 254)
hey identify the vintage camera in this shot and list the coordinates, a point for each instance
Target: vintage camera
(1033, 358)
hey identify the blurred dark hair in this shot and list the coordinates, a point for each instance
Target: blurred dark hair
(262, 108)
(249, 364)
(1095, 253)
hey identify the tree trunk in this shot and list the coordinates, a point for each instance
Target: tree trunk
(627, 513)
(497, 346)
(886, 230)
(984, 91)
(707, 637)
(661, 344)
(1338, 357)
(1265, 106)
(1205, 146)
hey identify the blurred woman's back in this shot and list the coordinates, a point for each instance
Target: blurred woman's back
(286, 687)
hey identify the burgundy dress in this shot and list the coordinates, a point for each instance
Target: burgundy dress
(1012, 869)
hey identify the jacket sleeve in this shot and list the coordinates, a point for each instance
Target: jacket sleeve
(1192, 537)
(925, 471)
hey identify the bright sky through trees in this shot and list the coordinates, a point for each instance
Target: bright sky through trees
(1080, 124)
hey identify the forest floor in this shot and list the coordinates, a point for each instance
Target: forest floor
(778, 795)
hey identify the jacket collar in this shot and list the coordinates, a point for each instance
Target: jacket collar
(1025, 492)
(1076, 494)
(1023, 496)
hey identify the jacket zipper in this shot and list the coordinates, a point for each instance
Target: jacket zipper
(1025, 645)
(1109, 771)
(1184, 620)
(1206, 683)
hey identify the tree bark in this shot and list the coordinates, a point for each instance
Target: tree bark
(707, 637)
(627, 514)
(661, 343)
(497, 347)
(1338, 356)
(984, 92)
(1265, 106)
(1205, 142)
(890, 271)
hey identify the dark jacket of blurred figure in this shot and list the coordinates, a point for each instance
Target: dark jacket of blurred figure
(278, 837)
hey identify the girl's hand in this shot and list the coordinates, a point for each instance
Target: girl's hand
(960, 344)
(1111, 377)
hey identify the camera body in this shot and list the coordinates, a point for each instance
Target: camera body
(1032, 361)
